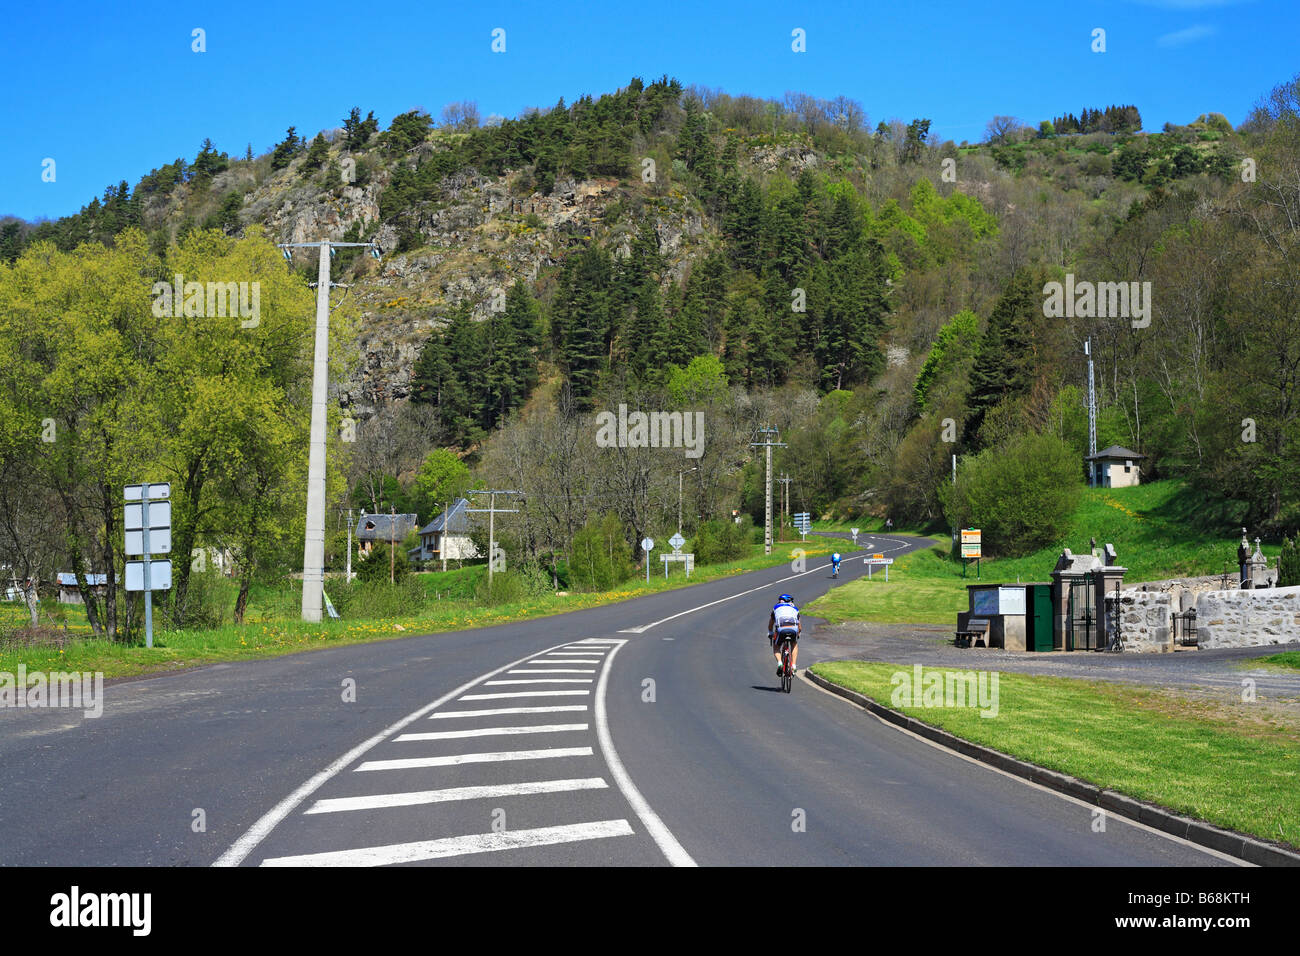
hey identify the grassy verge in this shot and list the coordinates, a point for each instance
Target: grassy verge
(1286, 661)
(264, 636)
(1150, 525)
(1233, 765)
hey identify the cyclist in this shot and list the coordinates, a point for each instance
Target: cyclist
(835, 565)
(784, 620)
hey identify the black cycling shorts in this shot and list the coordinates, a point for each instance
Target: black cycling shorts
(791, 633)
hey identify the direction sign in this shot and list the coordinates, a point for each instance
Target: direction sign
(677, 541)
(160, 575)
(855, 534)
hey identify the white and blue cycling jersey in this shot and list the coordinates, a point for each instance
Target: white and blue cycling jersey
(785, 616)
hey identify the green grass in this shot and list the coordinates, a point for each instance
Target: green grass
(270, 631)
(1235, 766)
(1154, 527)
(1287, 660)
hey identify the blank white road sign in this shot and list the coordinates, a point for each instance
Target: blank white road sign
(160, 541)
(156, 491)
(160, 575)
(160, 515)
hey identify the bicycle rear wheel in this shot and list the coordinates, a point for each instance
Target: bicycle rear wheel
(786, 678)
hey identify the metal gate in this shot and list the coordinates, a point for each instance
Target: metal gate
(1081, 615)
(1185, 634)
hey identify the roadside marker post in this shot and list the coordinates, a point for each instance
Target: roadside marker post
(648, 545)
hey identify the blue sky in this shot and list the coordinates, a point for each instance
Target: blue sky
(110, 94)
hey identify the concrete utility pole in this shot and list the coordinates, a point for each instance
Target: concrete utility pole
(392, 544)
(492, 511)
(769, 444)
(446, 508)
(313, 552)
(1092, 413)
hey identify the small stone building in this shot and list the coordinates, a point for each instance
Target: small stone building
(1114, 467)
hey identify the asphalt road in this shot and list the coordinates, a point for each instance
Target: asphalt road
(645, 733)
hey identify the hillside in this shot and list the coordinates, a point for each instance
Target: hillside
(877, 295)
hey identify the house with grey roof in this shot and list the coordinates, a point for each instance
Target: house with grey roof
(448, 532)
(375, 529)
(1114, 467)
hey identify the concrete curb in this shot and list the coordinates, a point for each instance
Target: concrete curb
(1243, 847)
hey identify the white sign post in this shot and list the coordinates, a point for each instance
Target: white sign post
(803, 521)
(687, 559)
(147, 523)
(648, 545)
(855, 535)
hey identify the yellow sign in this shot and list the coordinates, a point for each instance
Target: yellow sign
(970, 543)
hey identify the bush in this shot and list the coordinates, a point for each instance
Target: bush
(375, 566)
(1020, 494)
(599, 558)
(721, 540)
(1288, 564)
(515, 586)
(377, 599)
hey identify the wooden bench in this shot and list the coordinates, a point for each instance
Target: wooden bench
(977, 629)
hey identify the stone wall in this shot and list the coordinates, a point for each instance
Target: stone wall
(1247, 618)
(1145, 619)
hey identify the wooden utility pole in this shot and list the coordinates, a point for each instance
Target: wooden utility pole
(784, 481)
(492, 511)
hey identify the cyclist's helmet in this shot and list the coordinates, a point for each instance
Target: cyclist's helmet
(786, 599)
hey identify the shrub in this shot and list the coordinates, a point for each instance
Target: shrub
(599, 558)
(375, 566)
(721, 540)
(377, 598)
(1288, 564)
(1020, 493)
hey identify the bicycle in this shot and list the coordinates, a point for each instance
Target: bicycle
(787, 647)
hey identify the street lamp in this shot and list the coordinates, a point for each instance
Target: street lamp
(679, 495)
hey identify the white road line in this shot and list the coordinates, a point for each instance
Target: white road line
(416, 797)
(498, 711)
(528, 693)
(542, 680)
(605, 641)
(255, 834)
(675, 852)
(566, 660)
(492, 732)
(458, 846)
(411, 763)
(556, 670)
(731, 597)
